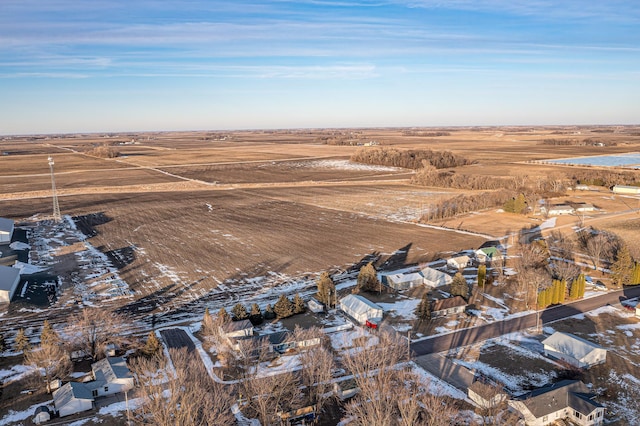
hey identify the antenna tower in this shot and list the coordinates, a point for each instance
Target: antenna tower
(56, 208)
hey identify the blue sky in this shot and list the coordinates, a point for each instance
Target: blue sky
(113, 65)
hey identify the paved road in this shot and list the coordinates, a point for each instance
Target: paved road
(488, 331)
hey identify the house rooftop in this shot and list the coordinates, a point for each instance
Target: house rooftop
(231, 326)
(357, 302)
(6, 225)
(555, 397)
(107, 370)
(449, 302)
(70, 391)
(8, 276)
(571, 345)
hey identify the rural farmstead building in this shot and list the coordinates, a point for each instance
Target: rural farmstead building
(6, 230)
(360, 309)
(9, 280)
(625, 189)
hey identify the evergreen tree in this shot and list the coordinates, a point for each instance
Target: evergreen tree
(482, 275)
(22, 343)
(563, 290)
(367, 279)
(622, 269)
(255, 316)
(48, 335)
(298, 304)
(326, 289)
(152, 347)
(423, 311)
(459, 286)
(3, 345)
(635, 276)
(268, 312)
(575, 289)
(223, 316)
(283, 307)
(582, 284)
(239, 312)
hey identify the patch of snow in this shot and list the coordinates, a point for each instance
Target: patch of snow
(19, 245)
(16, 372)
(402, 308)
(17, 416)
(27, 269)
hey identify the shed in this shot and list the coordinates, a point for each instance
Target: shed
(360, 308)
(585, 207)
(403, 281)
(458, 262)
(434, 278)
(567, 399)
(41, 415)
(626, 189)
(72, 398)
(6, 230)
(9, 280)
(111, 375)
(557, 210)
(572, 349)
(450, 305)
(315, 306)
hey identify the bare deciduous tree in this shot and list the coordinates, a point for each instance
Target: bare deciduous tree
(317, 366)
(52, 362)
(93, 329)
(190, 398)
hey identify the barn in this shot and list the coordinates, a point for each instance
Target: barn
(574, 350)
(360, 309)
(9, 280)
(6, 230)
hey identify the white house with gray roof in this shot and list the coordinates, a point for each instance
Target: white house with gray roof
(572, 349)
(434, 278)
(360, 308)
(72, 398)
(9, 280)
(567, 399)
(111, 375)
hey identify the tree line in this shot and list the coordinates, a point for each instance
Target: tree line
(409, 159)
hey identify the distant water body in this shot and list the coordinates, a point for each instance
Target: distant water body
(630, 160)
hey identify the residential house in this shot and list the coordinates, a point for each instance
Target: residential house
(486, 255)
(557, 210)
(110, 375)
(568, 399)
(459, 262)
(572, 349)
(232, 329)
(6, 230)
(72, 398)
(584, 207)
(283, 341)
(626, 189)
(434, 278)
(448, 306)
(360, 308)
(9, 280)
(403, 281)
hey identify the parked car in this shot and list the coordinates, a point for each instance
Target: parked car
(600, 287)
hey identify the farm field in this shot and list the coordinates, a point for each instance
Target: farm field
(197, 210)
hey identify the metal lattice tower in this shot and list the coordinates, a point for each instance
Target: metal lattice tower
(56, 207)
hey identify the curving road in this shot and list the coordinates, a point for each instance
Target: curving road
(469, 336)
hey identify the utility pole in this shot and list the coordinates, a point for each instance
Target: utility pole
(56, 207)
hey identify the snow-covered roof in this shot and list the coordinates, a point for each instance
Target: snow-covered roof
(8, 277)
(358, 304)
(6, 225)
(231, 326)
(433, 275)
(108, 369)
(70, 391)
(399, 278)
(571, 345)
